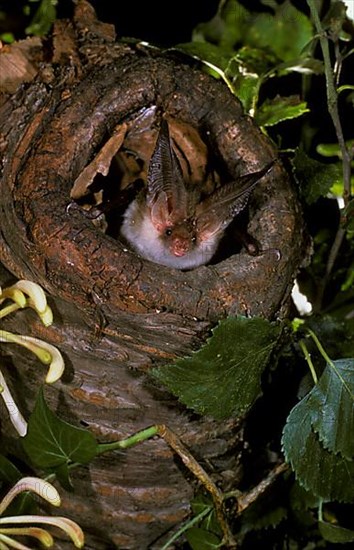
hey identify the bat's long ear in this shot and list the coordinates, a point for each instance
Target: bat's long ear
(217, 211)
(165, 185)
(160, 215)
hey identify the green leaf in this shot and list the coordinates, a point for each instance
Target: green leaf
(199, 539)
(286, 33)
(255, 60)
(201, 504)
(349, 280)
(325, 474)
(227, 28)
(244, 71)
(7, 37)
(50, 442)
(8, 471)
(206, 52)
(302, 65)
(262, 516)
(43, 18)
(333, 149)
(246, 89)
(335, 533)
(278, 109)
(332, 404)
(300, 499)
(62, 474)
(223, 378)
(315, 178)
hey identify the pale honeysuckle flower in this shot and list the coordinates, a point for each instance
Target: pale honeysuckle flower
(46, 353)
(17, 420)
(27, 524)
(32, 290)
(27, 294)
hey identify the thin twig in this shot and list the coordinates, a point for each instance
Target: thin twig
(332, 256)
(332, 104)
(175, 443)
(332, 101)
(247, 499)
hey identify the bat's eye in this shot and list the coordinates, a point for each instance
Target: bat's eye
(168, 232)
(193, 239)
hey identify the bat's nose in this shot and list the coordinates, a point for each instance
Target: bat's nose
(180, 246)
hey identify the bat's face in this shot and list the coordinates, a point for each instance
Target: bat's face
(180, 239)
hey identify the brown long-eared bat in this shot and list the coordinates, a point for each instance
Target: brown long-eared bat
(169, 224)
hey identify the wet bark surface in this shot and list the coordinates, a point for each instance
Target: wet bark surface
(116, 315)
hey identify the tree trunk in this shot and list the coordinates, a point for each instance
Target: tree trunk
(63, 121)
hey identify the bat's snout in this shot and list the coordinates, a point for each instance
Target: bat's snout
(180, 246)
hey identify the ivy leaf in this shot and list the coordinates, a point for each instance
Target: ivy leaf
(62, 473)
(200, 539)
(8, 471)
(222, 379)
(335, 533)
(50, 442)
(328, 475)
(24, 503)
(315, 178)
(278, 109)
(332, 404)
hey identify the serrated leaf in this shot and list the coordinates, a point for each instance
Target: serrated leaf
(51, 442)
(327, 475)
(315, 178)
(244, 72)
(301, 499)
(261, 517)
(332, 404)
(246, 88)
(335, 533)
(278, 109)
(223, 378)
(199, 539)
(255, 60)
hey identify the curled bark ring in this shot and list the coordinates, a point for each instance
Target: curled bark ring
(66, 253)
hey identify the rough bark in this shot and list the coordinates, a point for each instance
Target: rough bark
(116, 314)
